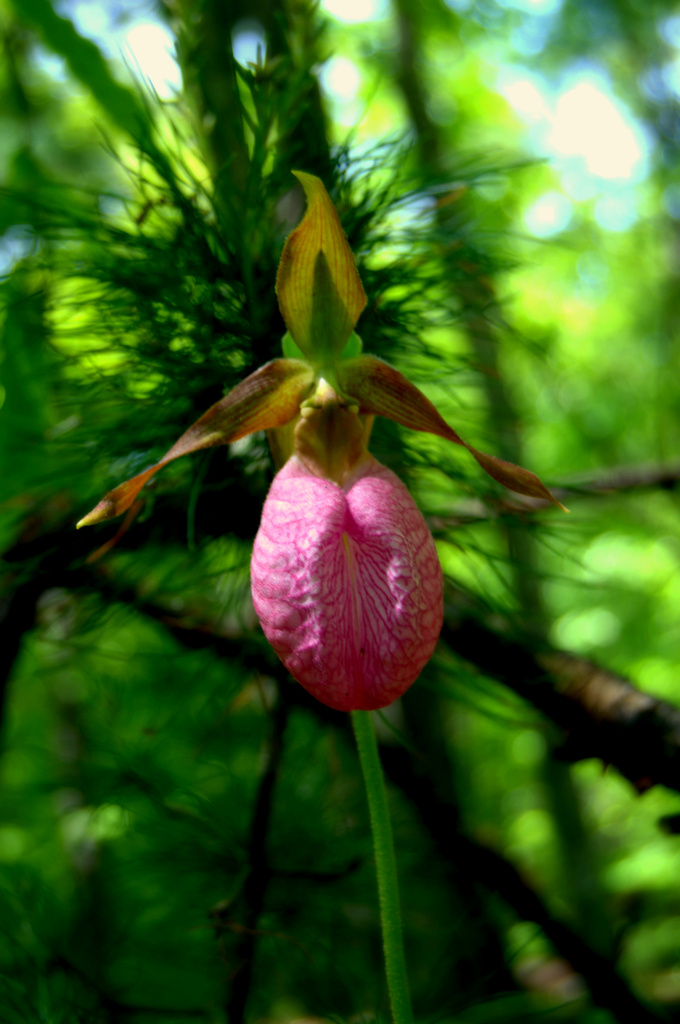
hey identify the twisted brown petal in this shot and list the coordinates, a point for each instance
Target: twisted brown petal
(269, 397)
(383, 391)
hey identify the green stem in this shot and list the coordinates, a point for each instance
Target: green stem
(386, 867)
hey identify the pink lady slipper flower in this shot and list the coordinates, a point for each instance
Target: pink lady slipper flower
(345, 576)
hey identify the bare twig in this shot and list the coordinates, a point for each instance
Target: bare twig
(665, 476)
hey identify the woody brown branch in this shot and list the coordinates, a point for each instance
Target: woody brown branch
(600, 713)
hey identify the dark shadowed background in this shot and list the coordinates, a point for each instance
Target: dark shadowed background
(183, 832)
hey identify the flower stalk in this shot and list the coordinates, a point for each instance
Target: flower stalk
(386, 868)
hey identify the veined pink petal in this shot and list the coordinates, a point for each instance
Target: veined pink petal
(347, 584)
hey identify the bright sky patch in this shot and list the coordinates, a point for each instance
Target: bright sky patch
(151, 46)
(248, 42)
(132, 31)
(590, 124)
(355, 10)
(583, 121)
(549, 215)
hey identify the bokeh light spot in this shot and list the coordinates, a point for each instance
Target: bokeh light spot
(340, 77)
(615, 213)
(549, 215)
(581, 630)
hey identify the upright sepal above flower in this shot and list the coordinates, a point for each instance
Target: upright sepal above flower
(320, 293)
(345, 576)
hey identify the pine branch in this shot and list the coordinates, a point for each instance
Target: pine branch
(578, 690)
(602, 714)
(17, 617)
(113, 1008)
(255, 886)
(86, 63)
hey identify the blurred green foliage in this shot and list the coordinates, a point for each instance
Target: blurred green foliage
(183, 835)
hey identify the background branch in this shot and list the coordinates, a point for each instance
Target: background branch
(473, 861)
(600, 713)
